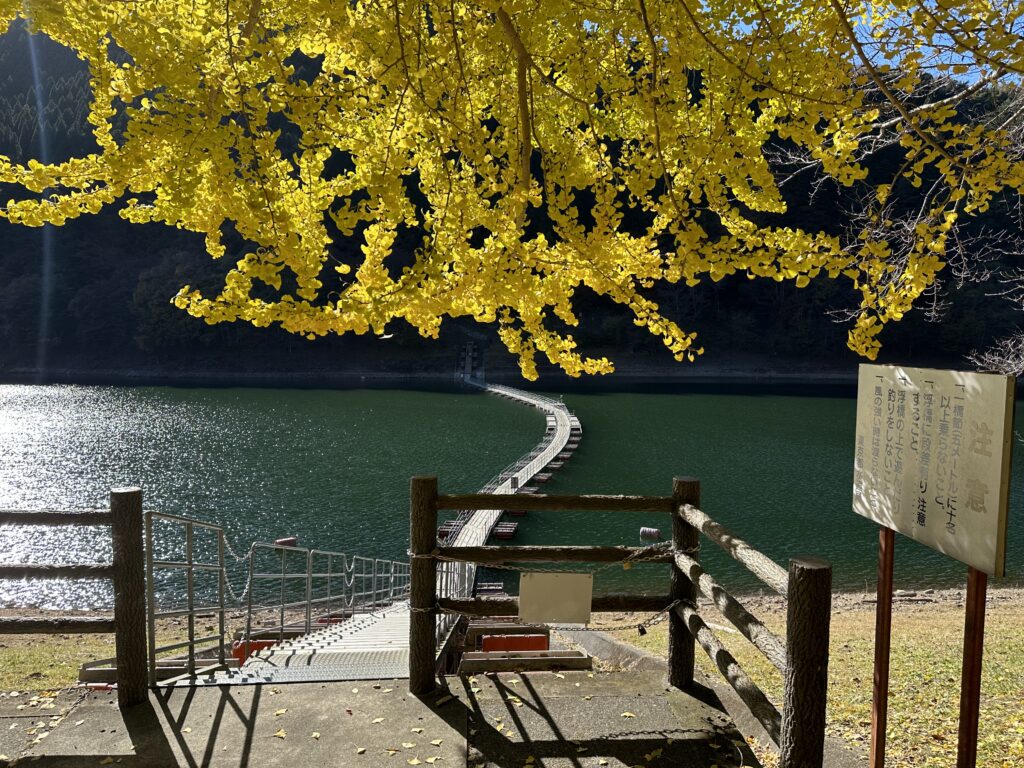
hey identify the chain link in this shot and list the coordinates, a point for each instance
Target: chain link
(640, 556)
(231, 551)
(245, 592)
(238, 598)
(650, 621)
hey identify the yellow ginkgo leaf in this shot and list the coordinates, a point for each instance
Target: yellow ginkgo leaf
(316, 734)
(281, 734)
(628, 714)
(437, 742)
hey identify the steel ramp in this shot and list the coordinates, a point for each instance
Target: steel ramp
(367, 646)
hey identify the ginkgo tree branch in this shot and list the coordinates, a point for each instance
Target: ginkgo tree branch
(343, 139)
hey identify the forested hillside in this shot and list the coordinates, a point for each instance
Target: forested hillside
(99, 298)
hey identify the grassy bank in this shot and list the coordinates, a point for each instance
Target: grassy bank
(51, 662)
(925, 675)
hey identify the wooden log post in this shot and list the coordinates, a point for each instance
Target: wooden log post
(423, 589)
(806, 680)
(129, 595)
(685, 490)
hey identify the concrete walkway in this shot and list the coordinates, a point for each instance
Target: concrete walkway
(577, 719)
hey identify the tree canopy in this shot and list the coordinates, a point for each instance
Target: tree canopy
(492, 159)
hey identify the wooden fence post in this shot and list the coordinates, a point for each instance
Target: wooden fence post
(806, 678)
(423, 589)
(129, 595)
(685, 490)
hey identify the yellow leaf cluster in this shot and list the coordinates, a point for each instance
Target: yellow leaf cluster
(494, 158)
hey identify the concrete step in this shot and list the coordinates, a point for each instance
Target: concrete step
(474, 662)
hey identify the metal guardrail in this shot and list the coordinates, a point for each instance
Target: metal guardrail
(327, 585)
(189, 566)
(366, 584)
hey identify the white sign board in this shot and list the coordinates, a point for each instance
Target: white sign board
(555, 597)
(933, 458)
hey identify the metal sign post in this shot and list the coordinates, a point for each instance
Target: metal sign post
(883, 634)
(970, 676)
(933, 463)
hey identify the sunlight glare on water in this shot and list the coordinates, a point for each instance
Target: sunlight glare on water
(331, 467)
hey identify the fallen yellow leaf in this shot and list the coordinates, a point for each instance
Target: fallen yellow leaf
(281, 734)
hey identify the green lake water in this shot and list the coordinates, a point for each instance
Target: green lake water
(332, 467)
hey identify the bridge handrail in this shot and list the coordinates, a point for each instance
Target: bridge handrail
(366, 585)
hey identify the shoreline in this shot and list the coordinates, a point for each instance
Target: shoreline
(718, 379)
(756, 380)
(842, 600)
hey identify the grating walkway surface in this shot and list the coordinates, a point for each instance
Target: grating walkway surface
(368, 646)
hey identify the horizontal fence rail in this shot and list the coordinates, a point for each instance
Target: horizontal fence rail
(766, 569)
(530, 501)
(509, 606)
(488, 555)
(55, 571)
(802, 657)
(126, 571)
(40, 625)
(55, 517)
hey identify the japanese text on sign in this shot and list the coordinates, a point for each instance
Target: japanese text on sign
(932, 458)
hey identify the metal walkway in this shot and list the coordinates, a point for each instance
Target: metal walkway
(368, 646)
(375, 645)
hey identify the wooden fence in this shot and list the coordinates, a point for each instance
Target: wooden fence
(127, 571)
(802, 657)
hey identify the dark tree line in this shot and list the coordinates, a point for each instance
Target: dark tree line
(110, 283)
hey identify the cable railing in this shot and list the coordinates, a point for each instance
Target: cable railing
(309, 587)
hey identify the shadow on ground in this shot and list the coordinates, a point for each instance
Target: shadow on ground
(576, 719)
